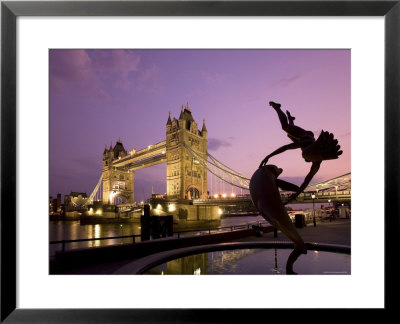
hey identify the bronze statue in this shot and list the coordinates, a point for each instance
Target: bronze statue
(264, 183)
(314, 151)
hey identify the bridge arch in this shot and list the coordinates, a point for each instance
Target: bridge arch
(120, 198)
(192, 193)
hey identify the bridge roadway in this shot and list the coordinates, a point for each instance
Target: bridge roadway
(336, 189)
(151, 155)
(303, 198)
(156, 154)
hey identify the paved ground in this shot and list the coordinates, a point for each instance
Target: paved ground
(335, 232)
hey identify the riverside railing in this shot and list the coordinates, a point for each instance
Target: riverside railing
(178, 234)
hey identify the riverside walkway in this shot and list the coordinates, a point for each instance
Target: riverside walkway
(335, 232)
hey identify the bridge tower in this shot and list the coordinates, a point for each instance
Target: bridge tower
(186, 177)
(117, 184)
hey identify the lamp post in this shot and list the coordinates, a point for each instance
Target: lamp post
(313, 209)
(330, 212)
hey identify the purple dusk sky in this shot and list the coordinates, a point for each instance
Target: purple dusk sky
(99, 96)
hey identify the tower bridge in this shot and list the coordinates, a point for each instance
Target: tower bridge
(185, 151)
(186, 178)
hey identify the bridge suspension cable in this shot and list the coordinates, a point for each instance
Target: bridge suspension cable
(94, 192)
(232, 177)
(228, 175)
(220, 170)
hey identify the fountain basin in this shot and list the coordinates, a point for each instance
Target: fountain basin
(245, 258)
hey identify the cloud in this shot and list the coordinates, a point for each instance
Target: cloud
(71, 69)
(94, 73)
(115, 66)
(286, 82)
(214, 144)
(120, 62)
(146, 79)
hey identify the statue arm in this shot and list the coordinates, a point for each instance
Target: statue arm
(314, 169)
(282, 149)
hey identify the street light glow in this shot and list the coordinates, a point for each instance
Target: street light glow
(313, 209)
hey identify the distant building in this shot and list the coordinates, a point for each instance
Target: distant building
(75, 201)
(55, 205)
(158, 196)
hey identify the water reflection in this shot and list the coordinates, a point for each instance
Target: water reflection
(275, 269)
(72, 230)
(256, 261)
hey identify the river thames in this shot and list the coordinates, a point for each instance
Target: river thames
(72, 230)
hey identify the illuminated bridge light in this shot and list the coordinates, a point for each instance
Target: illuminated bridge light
(171, 207)
(224, 195)
(216, 196)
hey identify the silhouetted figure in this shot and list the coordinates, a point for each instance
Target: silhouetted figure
(314, 151)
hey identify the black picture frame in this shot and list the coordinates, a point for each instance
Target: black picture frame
(10, 10)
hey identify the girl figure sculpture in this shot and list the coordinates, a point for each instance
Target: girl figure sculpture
(314, 151)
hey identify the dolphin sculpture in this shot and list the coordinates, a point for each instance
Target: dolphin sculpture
(265, 195)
